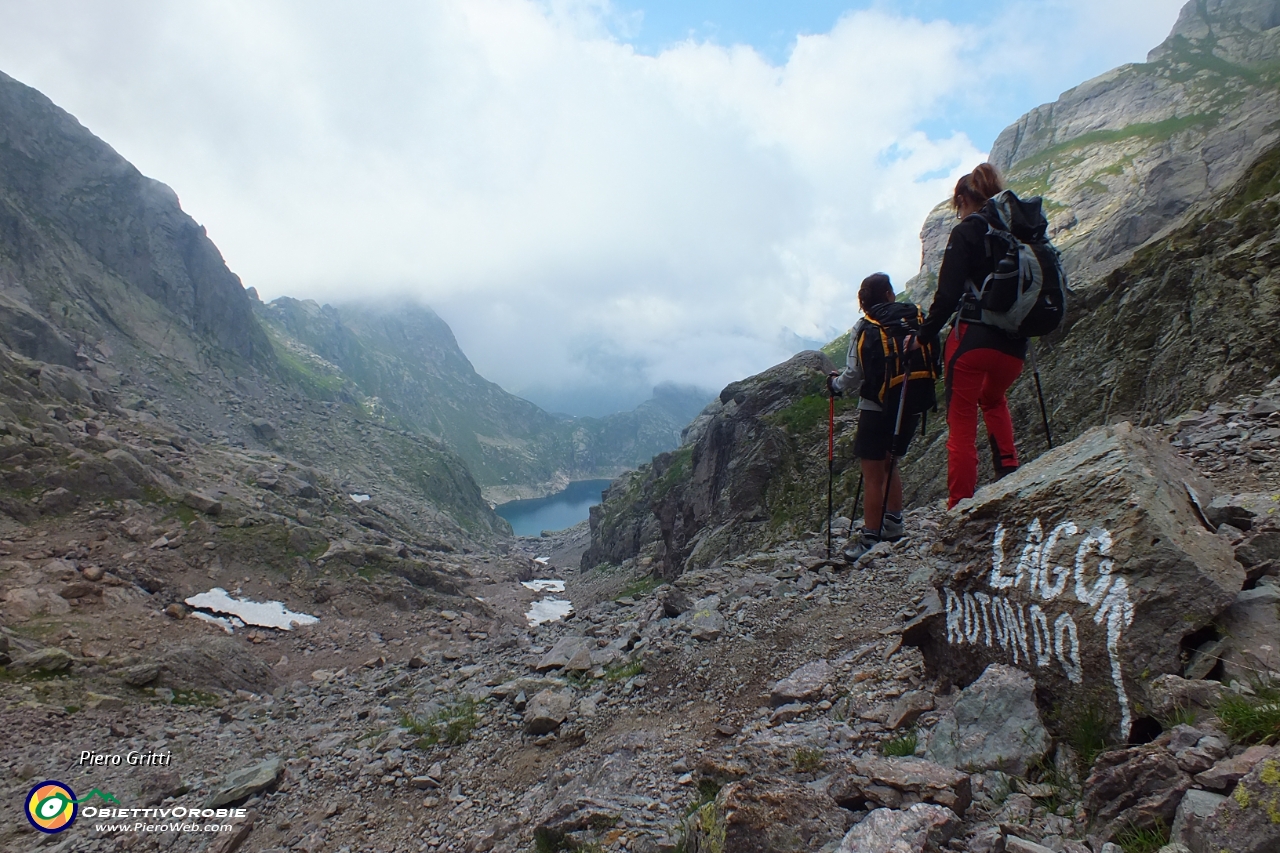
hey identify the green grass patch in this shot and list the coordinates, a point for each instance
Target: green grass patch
(640, 587)
(804, 414)
(194, 698)
(902, 746)
(1252, 719)
(623, 671)
(1177, 717)
(679, 466)
(1157, 131)
(451, 725)
(1136, 839)
(1089, 734)
(808, 759)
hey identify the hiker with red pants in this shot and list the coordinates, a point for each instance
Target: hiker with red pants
(981, 361)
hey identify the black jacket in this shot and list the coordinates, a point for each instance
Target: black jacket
(965, 260)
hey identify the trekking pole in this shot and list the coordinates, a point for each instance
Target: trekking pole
(857, 498)
(831, 464)
(1035, 372)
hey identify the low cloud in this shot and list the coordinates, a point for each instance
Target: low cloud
(584, 216)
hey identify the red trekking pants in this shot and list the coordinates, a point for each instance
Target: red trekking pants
(977, 377)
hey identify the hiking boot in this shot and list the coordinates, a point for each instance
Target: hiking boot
(865, 543)
(892, 529)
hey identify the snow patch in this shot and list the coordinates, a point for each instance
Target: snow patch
(545, 585)
(359, 498)
(260, 614)
(548, 610)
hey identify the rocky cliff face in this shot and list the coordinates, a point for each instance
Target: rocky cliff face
(123, 307)
(1122, 157)
(750, 473)
(403, 361)
(92, 247)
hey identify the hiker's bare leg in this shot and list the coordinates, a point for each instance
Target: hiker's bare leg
(873, 476)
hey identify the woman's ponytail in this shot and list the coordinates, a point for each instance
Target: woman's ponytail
(976, 187)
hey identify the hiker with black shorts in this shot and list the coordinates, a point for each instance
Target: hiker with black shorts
(981, 361)
(884, 358)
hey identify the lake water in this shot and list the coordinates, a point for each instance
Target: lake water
(555, 512)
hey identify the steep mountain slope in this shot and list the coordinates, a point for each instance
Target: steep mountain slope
(105, 278)
(1122, 157)
(404, 362)
(92, 249)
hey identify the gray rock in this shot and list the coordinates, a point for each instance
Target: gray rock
(1139, 786)
(139, 675)
(563, 652)
(546, 711)
(1074, 568)
(264, 429)
(1249, 820)
(1226, 509)
(305, 540)
(1014, 844)
(48, 659)
(245, 783)
(994, 725)
(217, 663)
(1252, 628)
(1260, 548)
(1227, 772)
(1196, 805)
(161, 785)
(761, 815)
(202, 502)
(803, 685)
(58, 501)
(1168, 694)
(705, 621)
(1204, 659)
(908, 708)
(898, 782)
(923, 828)
(674, 602)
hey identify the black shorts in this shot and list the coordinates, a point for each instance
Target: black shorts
(875, 434)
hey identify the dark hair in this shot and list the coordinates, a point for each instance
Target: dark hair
(977, 186)
(876, 289)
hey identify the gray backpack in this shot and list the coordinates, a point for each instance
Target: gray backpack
(1026, 292)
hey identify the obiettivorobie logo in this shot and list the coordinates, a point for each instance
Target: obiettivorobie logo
(52, 806)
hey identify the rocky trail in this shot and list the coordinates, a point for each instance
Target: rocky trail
(766, 703)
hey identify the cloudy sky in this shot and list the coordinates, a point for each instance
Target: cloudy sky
(597, 195)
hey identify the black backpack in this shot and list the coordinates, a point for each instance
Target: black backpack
(1026, 292)
(887, 364)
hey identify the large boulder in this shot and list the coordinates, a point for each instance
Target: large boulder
(1086, 568)
(994, 725)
